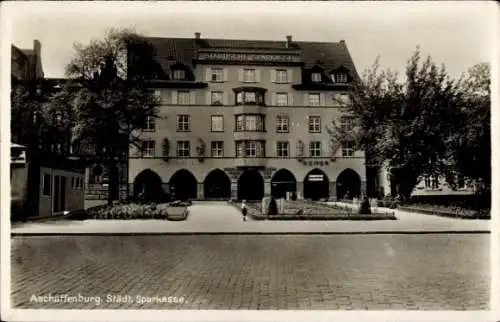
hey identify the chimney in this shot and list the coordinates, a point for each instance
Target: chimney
(37, 63)
(288, 41)
(342, 42)
(197, 35)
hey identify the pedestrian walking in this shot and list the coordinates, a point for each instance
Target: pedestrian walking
(244, 210)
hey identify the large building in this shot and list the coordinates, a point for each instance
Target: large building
(242, 119)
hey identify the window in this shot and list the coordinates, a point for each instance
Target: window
(344, 99)
(281, 76)
(249, 75)
(427, 182)
(316, 77)
(314, 100)
(348, 149)
(150, 124)
(249, 98)
(346, 123)
(282, 99)
(341, 78)
(148, 148)
(183, 98)
(282, 124)
(183, 124)
(315, 149)
(250, 149)
(183, 149)
(217, 98)
(282, 149)
(217, 149)
(250, 123)
(179, 74)
(434, 182)
(217, 123)
(217, 75)
(314, 124)
(46, 185)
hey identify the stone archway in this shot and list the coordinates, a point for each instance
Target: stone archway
(283, 181)
(348, 185)
(316, 185)
(183, 185)
(250, 185)
(149, 184)
(217, 185)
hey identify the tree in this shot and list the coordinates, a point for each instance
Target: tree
(109, 106)
(404, 122)
(24, 113)
(470, 145)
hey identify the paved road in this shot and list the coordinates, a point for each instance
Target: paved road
(334, 272)
(216, 217)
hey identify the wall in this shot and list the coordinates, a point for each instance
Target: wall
(75, 195)
(201, 112)
(18, 185)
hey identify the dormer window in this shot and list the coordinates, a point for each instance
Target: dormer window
(340, 78)
(179, 74)
(316, 77)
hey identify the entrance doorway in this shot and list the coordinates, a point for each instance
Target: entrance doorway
(183, 185)
(316, 185)
(217, 185)
(251, 186)
(149, 184)
(282, 182)
(348, 185)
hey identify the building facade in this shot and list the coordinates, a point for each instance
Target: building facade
(244, 119)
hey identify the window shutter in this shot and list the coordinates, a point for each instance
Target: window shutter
(306, 99)
(174, 97)
(289, 76)
(225, 98)
(240, 75)
(273, 76)
(257, 75)
(273, 99)
(290, 99)
(208, 98)
(322, 100)
(208, 74)
(224, 74)
(193, 98)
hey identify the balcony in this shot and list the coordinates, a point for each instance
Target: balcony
(250, 162)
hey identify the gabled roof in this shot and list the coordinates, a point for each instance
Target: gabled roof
(331, 54)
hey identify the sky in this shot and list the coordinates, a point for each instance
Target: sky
(458, 34)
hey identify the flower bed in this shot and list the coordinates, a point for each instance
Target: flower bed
(455, 212)
(129, 211)
(310, 210)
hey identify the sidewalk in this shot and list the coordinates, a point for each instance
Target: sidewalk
(220, 218)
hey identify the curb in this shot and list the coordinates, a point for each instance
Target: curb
(258, 233)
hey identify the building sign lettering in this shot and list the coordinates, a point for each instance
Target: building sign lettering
(248, 57)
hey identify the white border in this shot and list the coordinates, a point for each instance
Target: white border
(8, 10)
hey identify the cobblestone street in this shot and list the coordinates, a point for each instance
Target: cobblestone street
(333, 272)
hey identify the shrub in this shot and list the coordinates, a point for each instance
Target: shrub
(365, 209)
(273, 207)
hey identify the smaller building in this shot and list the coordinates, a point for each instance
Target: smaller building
(44, 186)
